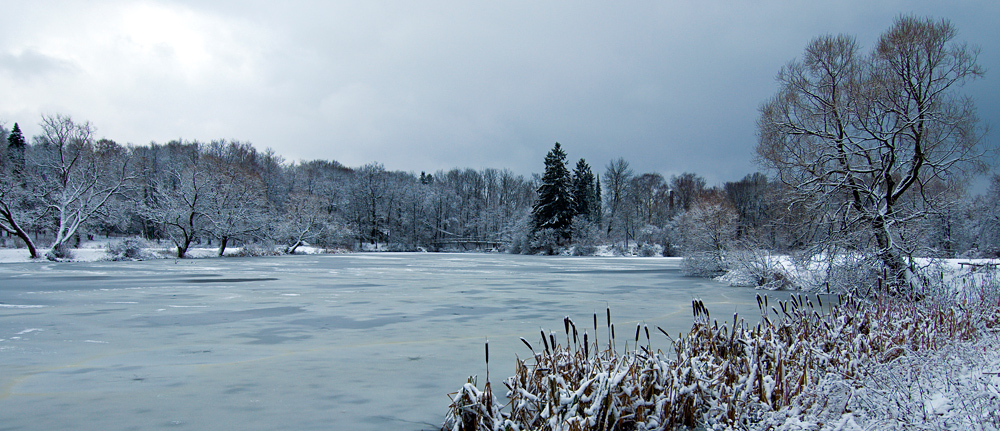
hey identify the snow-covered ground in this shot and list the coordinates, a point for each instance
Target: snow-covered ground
(95, 251)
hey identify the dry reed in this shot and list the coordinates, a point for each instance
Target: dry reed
(724, 375)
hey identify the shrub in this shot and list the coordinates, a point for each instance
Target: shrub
(132, 248)
(252, 249)
(649, 250)
(703, 264)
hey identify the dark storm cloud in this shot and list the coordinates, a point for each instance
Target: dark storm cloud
(669, 86)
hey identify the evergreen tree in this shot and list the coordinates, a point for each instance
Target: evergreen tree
(15, 149)
(596, 209)
(583, 189)
(554, 208)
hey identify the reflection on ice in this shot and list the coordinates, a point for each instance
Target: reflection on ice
(368, 341)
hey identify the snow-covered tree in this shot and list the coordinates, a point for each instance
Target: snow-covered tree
(76, 177)
(19, 207)
(554, 207)
(618, 177)
(863, 136)
(235, 202)
(584, 190)
(178, 199)
(16, 147)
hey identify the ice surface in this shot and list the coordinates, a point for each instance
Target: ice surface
(357, 341)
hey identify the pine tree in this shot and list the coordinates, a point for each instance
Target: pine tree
(15, 149)
(596, 207)
(554, 208)
(583, 190)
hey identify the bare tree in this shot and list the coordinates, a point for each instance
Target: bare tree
(857, 136)
(617, 179)
(236, 201)
(76, 177)
(178, 201)
(687, 188)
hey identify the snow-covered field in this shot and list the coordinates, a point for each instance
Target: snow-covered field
(94, 251)
(352, 341)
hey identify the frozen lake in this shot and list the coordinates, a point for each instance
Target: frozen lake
(344, 342)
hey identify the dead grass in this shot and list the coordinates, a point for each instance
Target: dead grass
(721, 374)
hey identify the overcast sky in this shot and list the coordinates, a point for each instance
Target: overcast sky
(671, 86)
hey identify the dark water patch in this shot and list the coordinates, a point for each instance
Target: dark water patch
(213, 317)
(272, 336)
(463, 313)
(340, 322)
(94, 313)
(347, 285)
(81, 370)
(671, 271)
(228, 280)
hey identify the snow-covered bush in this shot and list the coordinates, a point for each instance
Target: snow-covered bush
(649, 250)
(253, 249)
(703, 264)
(545, 241)
(757, 268)
(132, 248)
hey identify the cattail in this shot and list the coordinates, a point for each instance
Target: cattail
(586, 345)
(760, 303)
(487, 360)
(552, 339)
(637, 327)
(545, 341)
(819, 300)
(526, 343)
(647, 333)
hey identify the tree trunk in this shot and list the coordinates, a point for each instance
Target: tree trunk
(223, 241)
(20, 233)
(183, 246)
(889, 255)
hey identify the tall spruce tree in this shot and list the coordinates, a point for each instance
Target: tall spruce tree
(583, 190)
(596, 208)
(15, 149)
(554, 208)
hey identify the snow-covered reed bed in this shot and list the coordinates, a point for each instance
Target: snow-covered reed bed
(739, 374)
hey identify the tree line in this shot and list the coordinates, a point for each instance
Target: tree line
(66, 185)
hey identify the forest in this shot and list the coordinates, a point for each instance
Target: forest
(66, 186)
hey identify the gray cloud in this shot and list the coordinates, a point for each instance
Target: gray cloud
(670, 86)
(31, 64)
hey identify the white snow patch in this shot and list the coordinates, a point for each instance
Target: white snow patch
(30, 330)
(21, 306)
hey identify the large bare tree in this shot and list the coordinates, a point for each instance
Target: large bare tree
(75, 176)
(860, 138)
